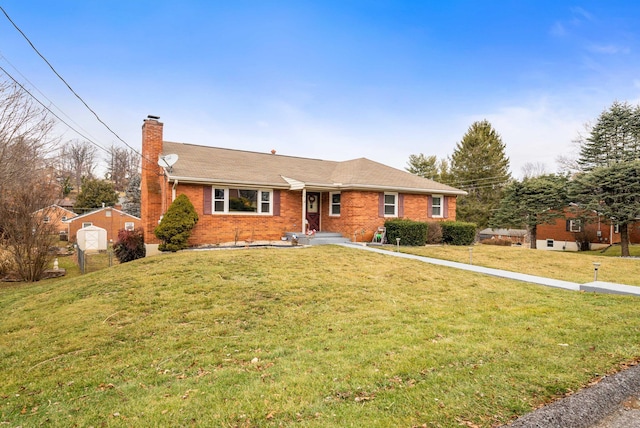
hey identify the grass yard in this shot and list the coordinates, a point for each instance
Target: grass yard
(567, 266)
(309, 337)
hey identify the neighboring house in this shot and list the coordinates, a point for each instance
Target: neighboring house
(517, 236)
(576, 230)
(66, 203)
(248, 196)
(56, 216)
(111, 219)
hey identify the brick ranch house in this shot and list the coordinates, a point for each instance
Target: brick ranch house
(243, 196)
(56, 215)
(566, 233)
(109, 218)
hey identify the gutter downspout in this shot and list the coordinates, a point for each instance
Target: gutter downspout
(173, 190)
(304, 210)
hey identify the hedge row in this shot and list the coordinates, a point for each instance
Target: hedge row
(415, 233)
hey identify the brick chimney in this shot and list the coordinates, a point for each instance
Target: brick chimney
(152, 180)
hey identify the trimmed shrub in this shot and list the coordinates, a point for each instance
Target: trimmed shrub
(497, 241)
(176, 225)
(413, 233)
(434, 233)
(458, 233)
(130, 245)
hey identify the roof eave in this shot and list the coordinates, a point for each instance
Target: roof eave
(316, 186)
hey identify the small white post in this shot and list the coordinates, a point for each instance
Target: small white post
(398, 244)
(595, 271)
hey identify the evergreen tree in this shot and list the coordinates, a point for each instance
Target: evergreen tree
(612, 191)
(614, 138)
(95, 194)
(429, 167)
(531, 202)
(479, 166)
(176, 225)
(131, 204)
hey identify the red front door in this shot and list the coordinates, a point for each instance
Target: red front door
(313, 211)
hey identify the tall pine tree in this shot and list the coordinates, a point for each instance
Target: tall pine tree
(614, 138)
(480, 166)
(609, 156)
(531, 202)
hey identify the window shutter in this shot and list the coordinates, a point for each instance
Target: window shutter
(400, 205)
(429, 206)
(207, 200)
(445, 207)
(568, 225)
(381, 204)
(276, 202)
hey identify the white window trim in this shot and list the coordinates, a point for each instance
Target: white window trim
(575, 225)
(87, 224)
(550, 243)
(248, 213)
(441, 215)
(331, 204)
(395, 205)
(129, 225)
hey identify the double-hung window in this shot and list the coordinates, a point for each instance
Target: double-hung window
(334, 206)
(575, 225)
(436, 206)
(390, 204)
(245, 201)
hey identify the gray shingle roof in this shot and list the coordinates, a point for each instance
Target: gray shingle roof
(222, 166)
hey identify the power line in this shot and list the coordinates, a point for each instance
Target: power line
(69, 86)
(43, 95)
(51, 111)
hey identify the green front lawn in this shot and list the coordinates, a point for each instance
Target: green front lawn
(313, 337)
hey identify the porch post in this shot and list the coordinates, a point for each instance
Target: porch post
(304, 209)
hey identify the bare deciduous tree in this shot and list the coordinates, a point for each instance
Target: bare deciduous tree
(26, 181)
(76, 160)
(122, 165)
(533, 169)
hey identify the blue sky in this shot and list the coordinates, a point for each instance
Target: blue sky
(332, 79)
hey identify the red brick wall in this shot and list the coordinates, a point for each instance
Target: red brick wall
(557, 230)
(225, 228)
(55, 214)
(112, 224)
(358, 215)
(152, 182)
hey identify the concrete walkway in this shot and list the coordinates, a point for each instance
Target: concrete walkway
(614, 402)
(597, 286)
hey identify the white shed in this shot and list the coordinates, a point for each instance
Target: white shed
(92, 238)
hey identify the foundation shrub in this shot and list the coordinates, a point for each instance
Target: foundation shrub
(458, 232)
(176, 225)
(434, 233)
(411, 233)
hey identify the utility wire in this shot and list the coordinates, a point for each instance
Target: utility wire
(43, 95)
(51, 111)
(69, 86)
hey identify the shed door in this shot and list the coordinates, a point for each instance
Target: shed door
(92, 240)
(313, 211)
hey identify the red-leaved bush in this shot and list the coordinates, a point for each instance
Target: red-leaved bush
(130, 245)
